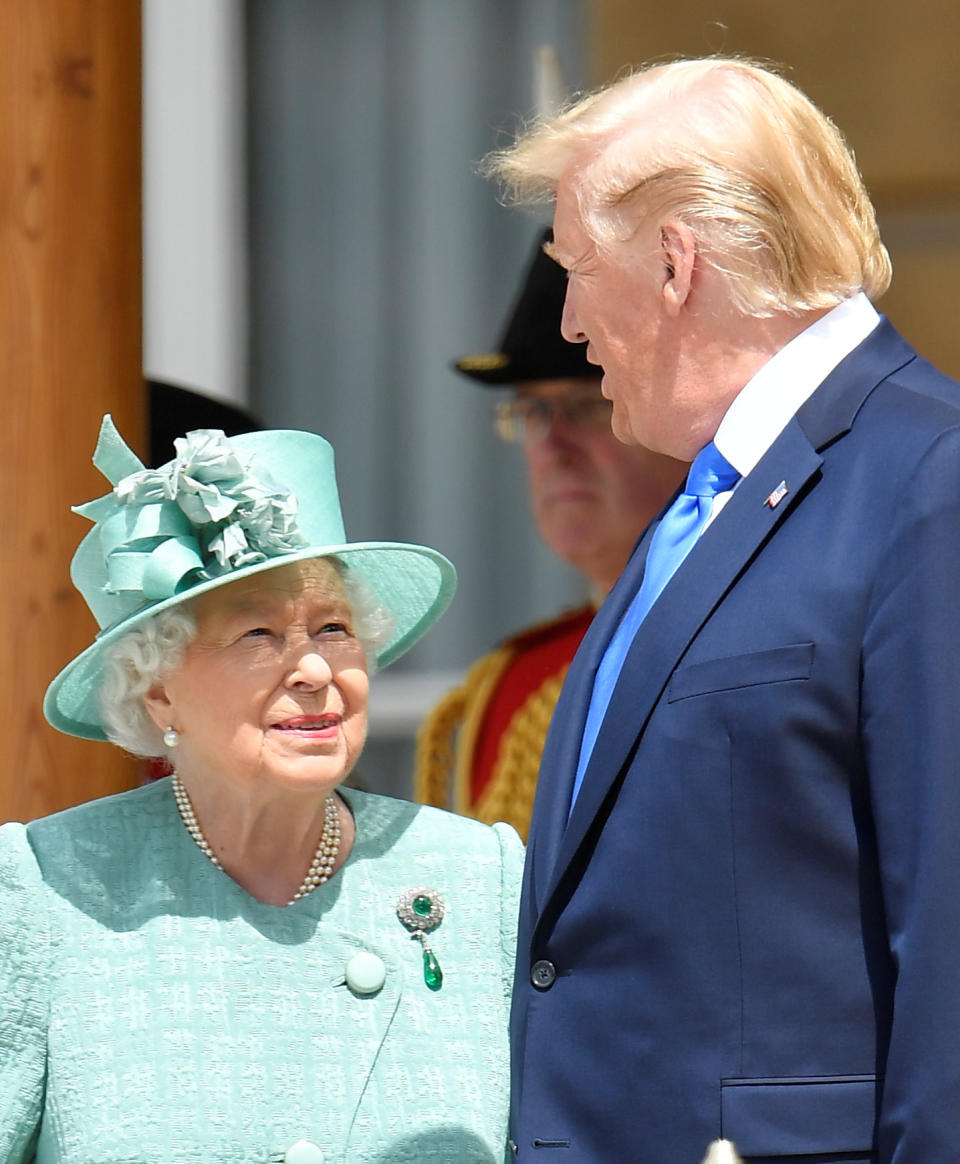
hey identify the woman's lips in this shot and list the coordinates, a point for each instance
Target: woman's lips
(313, 725)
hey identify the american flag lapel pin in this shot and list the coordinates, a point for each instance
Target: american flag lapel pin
(777, 495)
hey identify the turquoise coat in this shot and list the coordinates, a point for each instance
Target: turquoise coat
(151, 1010)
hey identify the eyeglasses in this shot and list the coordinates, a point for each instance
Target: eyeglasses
(531, 416)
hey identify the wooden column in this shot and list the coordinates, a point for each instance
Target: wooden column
(70, 302)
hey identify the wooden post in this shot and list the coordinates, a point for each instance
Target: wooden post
(70, 350)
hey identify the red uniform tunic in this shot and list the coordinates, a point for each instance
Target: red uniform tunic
(478, 751)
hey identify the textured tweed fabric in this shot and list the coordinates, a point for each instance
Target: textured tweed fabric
(151, 1010)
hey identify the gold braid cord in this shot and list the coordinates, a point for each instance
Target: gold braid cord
(513, 781)
(441, 736)
(434, 754)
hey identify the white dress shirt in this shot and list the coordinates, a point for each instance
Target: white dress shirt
(767, 402)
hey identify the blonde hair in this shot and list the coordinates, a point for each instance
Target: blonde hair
(761, 176)
(154, 649)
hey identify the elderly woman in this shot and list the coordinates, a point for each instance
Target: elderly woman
(247, 962)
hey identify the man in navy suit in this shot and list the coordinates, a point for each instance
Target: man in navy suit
(741, 912)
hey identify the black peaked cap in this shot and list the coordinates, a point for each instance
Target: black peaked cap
(532, 347)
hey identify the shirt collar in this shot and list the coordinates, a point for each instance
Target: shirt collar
(767, 402)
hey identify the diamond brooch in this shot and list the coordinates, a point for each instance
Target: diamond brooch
(421, 910)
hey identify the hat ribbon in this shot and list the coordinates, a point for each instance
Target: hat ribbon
(203, 515)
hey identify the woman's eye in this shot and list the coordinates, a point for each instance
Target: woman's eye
(334, 628)
(257, 632)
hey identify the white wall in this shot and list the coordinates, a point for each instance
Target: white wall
(195, 215)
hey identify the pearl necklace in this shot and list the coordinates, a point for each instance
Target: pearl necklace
(321, 867)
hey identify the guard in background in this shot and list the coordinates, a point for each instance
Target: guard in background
(478, 751)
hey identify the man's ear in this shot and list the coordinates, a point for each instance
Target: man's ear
(158, 706)
(679, 251)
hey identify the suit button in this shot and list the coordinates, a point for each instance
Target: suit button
(365, 973)
(303, 1152)
(543, 974)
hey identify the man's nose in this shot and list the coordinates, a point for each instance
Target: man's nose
(556, 432)
(569, 323)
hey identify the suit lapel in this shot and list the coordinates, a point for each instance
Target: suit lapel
(713, 566)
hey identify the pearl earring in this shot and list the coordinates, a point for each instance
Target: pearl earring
(171, 737)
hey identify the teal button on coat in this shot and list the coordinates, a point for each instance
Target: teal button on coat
(152, 1011)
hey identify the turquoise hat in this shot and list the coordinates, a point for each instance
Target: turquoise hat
(223, 509)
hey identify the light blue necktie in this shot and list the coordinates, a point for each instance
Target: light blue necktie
(673, 539)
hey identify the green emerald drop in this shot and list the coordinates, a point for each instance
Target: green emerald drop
(432, 974)
(422, 905)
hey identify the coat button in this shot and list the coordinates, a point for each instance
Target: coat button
(365, 973)
(303, 1152)
(543, 974)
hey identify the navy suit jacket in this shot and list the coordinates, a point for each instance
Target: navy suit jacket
(750, 925)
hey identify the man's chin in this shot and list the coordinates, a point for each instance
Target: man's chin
(620, 427)
(571, 540)
(574, 510)
(620, 422)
